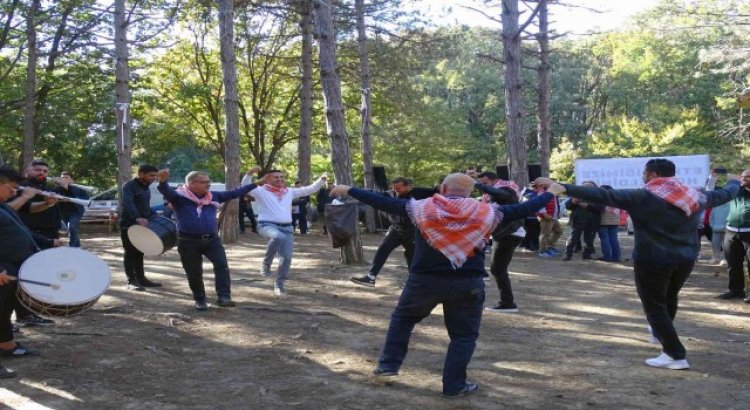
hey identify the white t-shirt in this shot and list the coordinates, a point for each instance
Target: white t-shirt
(271, 208)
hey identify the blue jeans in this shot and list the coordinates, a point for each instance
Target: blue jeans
(610, 243)
(281, 242)
(191, 253)
(73, 224)
(462, 299)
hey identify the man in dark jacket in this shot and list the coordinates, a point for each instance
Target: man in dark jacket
(665, 214)
(737, 241)
(135, 208)
(17, 243)
(585, 218)
(400, 233)
(447, 269)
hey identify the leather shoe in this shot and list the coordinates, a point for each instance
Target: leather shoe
(148, 283)
(201, 305)
(225, 302)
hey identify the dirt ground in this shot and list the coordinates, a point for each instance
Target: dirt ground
(578, 341)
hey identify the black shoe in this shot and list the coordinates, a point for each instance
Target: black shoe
(382, 372)
(135, 285)
(146, 283)
(34, 320)
(503, 308)
(747, 299)
(468, 389)
(225, 302)
(364, 281)
(6, 373)
(587, 257)
(18, 351)
(731, 295)
(567, 258)
(201, 305)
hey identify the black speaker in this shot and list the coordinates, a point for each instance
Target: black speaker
(534, 170)
(381, 181)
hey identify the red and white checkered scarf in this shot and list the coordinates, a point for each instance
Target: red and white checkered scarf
(184, 192)
(501, 183)
(456, 227)
(278, 191)
(676, 193)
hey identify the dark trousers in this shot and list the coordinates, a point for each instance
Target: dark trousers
(462, 299)
(191, 254)
(736, 250)
(7, 302)
(502, 254)
(392, 240)
(133, 259)
(575, 238)
(300, 219)
(533, 229)
(50, 233)
(658, 287)
(247, 210)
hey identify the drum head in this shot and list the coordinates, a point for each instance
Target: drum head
(146, 240)
(81, 275)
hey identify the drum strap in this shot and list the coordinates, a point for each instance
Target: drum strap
(17, 221)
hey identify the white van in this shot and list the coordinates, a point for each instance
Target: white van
(103, 206)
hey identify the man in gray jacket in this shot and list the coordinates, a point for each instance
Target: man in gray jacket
(665, 214)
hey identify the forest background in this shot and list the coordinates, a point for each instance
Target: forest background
(666, 83)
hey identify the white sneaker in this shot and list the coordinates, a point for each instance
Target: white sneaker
(665, 361)
(723, 262)
(651, 338)
(713, 261)
(279, 292)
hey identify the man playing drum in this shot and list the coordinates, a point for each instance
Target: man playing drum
(17, 243)
(136, 209)
(195, 208)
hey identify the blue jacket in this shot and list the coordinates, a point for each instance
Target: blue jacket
(188, 221)
(428, 260)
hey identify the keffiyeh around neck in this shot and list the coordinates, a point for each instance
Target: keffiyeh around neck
(184, 192)
(278, 191)
(456, 227)
(676, 193)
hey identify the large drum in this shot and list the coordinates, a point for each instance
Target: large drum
(159, 236)
(77, 278)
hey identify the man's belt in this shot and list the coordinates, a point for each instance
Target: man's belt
(203, 236)
(274, 223)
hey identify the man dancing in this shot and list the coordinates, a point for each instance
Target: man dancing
(195, 207)
(451, 232)
(665, 214)
(274, 201)
(400, 233)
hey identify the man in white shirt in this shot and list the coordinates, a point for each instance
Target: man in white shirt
(274, 202)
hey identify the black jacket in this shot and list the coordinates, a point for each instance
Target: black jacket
(136, 203)
(588, 217)
(49, 218)
(664, 235)
(17, 243)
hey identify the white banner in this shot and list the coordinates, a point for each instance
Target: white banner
(627, 173)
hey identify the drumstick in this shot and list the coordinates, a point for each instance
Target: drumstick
(33, 282)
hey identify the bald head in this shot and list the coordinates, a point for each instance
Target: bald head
(457, 184)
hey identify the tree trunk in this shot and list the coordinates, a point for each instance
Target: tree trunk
(304, 150)
(366, 142)
(230, 227)
(543, 115)
(29, 107)
(122, 96)
(514, 114)
(351, 254)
